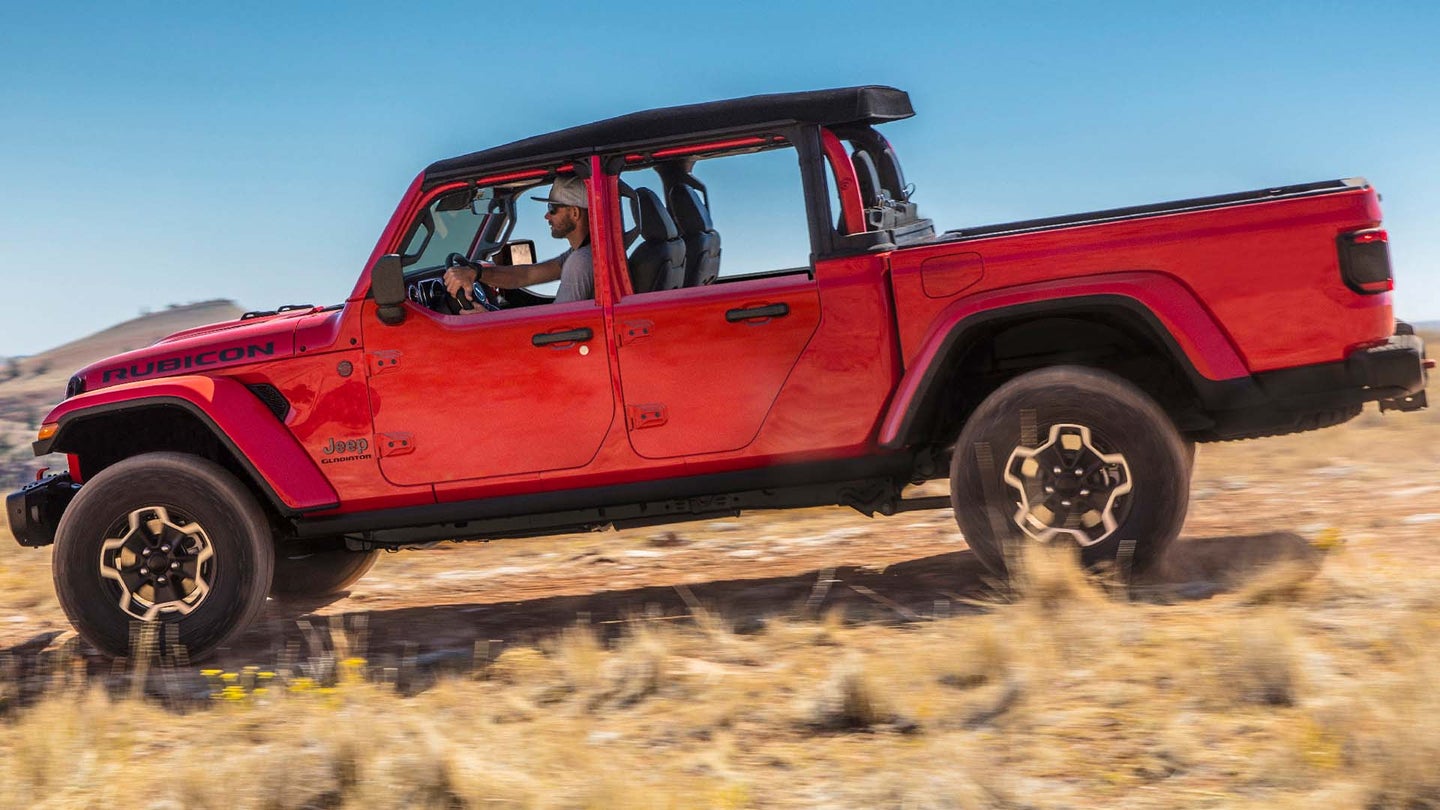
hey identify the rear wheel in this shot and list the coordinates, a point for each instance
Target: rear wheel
(322, 573)
(164, 538)
(1073, 456)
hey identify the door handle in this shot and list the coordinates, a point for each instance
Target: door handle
(753, 313)
(571, 336)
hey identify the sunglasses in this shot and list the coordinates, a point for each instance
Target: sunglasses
(551, 208)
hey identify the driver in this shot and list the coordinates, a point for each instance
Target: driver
(569, 217)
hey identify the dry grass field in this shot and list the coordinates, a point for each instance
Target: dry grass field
(1286, 656)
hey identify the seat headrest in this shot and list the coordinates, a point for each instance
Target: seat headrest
(891, 175)
(691, 215)
(868, 177)
(655, 222)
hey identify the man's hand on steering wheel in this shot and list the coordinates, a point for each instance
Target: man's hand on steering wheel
(462, 286)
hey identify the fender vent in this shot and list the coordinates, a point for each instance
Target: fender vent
(273, 399)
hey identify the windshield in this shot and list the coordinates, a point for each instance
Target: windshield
(449, 225)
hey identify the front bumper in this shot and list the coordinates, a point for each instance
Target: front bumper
(34, 510)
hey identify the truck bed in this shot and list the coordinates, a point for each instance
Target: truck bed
(1154, 209)
(1261, 265)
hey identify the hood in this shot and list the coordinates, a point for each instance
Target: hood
(200, 350)
(250, 319)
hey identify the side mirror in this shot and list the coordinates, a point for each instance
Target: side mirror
(520, 251)
(387, 286)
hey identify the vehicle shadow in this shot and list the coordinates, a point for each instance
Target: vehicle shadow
(923, 589)
(417, 644)
(909, 591)
(1200, 567)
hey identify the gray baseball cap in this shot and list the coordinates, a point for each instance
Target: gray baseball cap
(567, 191)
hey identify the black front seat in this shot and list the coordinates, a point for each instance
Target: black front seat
(658, 262)
(702, 242)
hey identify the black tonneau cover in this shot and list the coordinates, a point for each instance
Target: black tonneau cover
(1138, 211)
(848, 105)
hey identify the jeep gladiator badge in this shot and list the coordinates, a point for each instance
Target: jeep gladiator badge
(342, 450)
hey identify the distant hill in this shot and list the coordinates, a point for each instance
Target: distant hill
(59, 363)
(29, 386)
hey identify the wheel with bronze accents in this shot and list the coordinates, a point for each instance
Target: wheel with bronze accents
(164, 538)
(1076, 457)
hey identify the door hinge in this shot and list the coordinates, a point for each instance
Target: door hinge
(395, 444)
(631, 331)
(384, 360)
(647, 416)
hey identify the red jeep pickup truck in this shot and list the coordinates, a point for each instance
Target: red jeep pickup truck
(1058, 371)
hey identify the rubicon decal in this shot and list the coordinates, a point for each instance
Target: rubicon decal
(341, 450)
(200, 359)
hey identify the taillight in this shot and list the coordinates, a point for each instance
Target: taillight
(1365, 261)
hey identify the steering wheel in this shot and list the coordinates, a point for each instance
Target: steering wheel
(454, 304)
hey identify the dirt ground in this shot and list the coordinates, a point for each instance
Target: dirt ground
(1283, 656)
(1374, 483)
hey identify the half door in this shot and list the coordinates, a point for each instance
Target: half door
(703, 358)
(457, 397)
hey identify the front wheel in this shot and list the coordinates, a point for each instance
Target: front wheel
(1074, 456)
(166, 538)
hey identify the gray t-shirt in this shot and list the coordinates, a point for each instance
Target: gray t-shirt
(577, 276)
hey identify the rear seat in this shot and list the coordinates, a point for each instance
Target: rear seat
(702, 242)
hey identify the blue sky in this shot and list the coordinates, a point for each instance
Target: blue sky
(165, 153)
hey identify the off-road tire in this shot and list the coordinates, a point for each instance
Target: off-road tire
(194, 492)
(1122, 422)
(320, 574)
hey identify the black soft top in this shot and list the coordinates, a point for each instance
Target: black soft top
(846, 105)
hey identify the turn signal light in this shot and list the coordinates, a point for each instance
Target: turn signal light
(46, 431)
